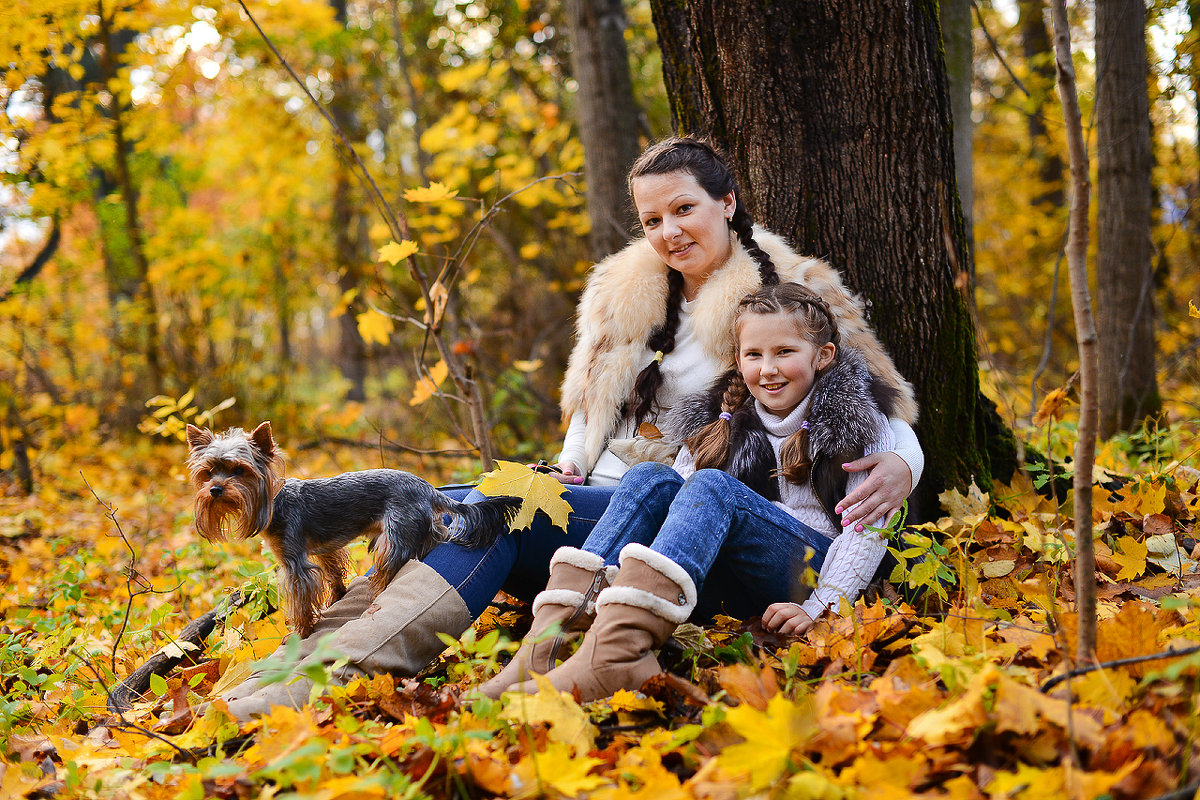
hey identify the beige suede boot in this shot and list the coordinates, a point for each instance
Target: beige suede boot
(569, 599)
(396, 634)
(649, 598)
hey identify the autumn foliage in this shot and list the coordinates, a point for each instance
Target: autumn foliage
(182, 195)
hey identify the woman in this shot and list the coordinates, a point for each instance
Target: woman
(654, 325)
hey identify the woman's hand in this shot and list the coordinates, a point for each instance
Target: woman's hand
(563, 472)
(880, 495)
(787, 618)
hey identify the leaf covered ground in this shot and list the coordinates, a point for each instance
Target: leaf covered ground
(966, 692)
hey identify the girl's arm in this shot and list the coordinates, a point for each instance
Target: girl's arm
(855, 554)
(684, 464)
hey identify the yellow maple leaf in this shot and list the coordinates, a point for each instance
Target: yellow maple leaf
(536, 490)
(428, 385)
(1193, 311)
(1132, 558)
(431, 193)
(569, 725)
(559, 768)
(394, 253)
(770, 736)
(374, 327)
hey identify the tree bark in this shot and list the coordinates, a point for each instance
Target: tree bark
(1124, 279)
(1085, 336)
(347, 254)
(1039, 64)
(960, 72)
(837, 120)
(129, 198)
(608, 117)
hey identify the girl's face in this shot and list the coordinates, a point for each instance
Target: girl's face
(684, 224)
(778, 363)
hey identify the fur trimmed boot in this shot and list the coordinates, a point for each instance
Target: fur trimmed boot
(397, 634)
(638, 613)
(569, 599)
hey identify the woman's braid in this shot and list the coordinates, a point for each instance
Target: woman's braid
(662, 340)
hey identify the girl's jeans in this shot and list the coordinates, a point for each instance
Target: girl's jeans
(517, 562)
(743, 552)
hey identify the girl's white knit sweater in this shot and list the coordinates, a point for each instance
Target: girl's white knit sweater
(853, 556)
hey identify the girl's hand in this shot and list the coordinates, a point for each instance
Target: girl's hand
(563, 472)
(788, 618)
(880, 495)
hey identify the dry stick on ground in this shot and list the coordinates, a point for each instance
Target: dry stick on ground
(1085, 336)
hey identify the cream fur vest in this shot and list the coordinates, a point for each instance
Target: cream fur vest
(626, 299)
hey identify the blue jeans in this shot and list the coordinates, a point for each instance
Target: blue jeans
(742, 551)
(518, 562)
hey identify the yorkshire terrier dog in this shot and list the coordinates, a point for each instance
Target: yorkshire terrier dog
(239, 491)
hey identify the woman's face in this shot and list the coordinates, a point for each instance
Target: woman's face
(684, 224)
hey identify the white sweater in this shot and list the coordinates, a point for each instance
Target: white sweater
(687, 370)
(853, 557)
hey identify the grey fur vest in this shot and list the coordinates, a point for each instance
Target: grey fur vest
(841, 425)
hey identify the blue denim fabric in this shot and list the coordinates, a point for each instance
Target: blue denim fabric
(743, 552)
(518, 562)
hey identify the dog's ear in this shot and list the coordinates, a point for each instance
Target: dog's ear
(262, 439)
(198, 438)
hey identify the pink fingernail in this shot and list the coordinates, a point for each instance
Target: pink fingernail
(839, 509)
(858, 528)
(577, 480)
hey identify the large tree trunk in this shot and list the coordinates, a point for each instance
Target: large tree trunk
(1124, 279)
(608, 117)
(837, 119)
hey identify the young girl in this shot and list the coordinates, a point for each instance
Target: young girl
(749, 506)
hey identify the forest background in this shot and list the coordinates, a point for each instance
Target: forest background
(184, 239)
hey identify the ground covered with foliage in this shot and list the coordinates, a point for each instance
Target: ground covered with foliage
(972, 691)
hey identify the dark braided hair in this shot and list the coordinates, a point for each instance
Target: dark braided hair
(707, 165)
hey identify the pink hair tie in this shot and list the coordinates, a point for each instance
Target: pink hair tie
(725, 415)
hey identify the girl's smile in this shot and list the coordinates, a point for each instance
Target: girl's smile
(777, 360)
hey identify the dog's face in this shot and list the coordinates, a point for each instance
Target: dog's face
(234, 474)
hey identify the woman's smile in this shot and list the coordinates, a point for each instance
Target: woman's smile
(687, 227)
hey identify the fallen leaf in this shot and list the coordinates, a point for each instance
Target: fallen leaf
(568, 723)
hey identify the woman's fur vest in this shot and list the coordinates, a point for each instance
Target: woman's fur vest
(626, 300)
(841, 423)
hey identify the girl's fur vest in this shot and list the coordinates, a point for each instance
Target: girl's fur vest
(841, 423)
(626, 299)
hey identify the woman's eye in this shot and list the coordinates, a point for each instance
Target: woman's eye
(683, 209)
(650, 223)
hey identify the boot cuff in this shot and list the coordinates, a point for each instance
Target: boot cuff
(558, 597)
(576, 558)
(649, 601)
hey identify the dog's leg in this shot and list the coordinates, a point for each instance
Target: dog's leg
(335, 566)
(406, 532)
(300, 586)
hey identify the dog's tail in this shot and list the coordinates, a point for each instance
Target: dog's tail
(478, 524)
